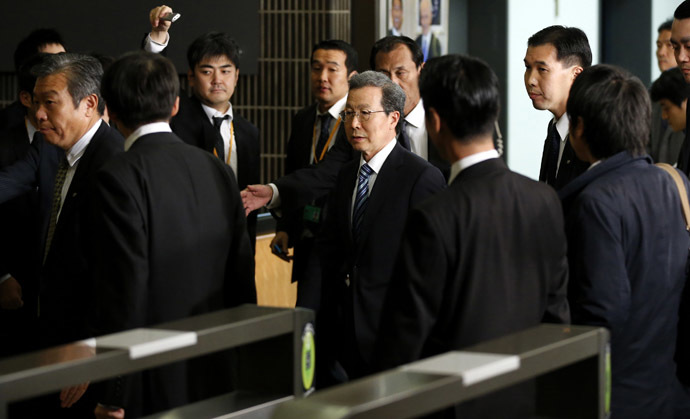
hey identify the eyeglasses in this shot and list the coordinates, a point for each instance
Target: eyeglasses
(364, 115)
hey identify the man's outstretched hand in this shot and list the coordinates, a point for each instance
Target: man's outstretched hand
(255, 197)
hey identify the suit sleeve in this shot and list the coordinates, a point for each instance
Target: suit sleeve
(429, 182)
(557, 307)
(21, 176)
(599, 287)
(415, 295)
(304, 185)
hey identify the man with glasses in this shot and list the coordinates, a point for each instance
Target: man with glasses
(362, 230)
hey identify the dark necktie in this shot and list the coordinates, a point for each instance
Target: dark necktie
(361, 199)
(219, 145)
(554, 141)
(403, 139)
(323, 136)
(55, 208)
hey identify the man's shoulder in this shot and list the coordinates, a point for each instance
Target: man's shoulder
(244, 125)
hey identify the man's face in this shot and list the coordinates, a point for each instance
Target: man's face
(328, 77)
(680, 39)
(399, 66)
(664, 51)
(213, 81)
(58, 120)
(369, 137)
(673, 114)
(51, 48)
(425, 16)
(546, 79)
(397, 14)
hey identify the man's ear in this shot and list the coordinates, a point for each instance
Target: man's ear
(433, 120)
(576, 71)
(26, 99)
(91, 104)
(176, 107)
(354, 72)
(190, 75)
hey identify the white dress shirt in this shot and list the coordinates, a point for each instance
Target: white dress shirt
(146, 129)
(416, 131)
(470, 160)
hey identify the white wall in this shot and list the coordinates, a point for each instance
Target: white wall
(526, 129)
(661, 10)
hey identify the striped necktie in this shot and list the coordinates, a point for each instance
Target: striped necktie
(55, 208)
(361, 199)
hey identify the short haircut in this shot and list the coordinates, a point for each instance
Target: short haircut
(682, 11)
(572, 46)
(25, 75)
(33, 42)
(141, 87)
(670, 85)
(464, 92)
(392, 95)
(213, 44)
(351, 56)
(666, 26)
(399, 1)
(615, 110)
(389, 43)
(83, 74)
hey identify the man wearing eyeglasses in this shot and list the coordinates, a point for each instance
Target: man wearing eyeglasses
(367, 212)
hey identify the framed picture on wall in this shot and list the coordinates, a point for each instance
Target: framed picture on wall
(425, 21)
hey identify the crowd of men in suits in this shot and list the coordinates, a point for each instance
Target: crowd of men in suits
(411, 236)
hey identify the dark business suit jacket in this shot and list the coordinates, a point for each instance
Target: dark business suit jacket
(193, 126)
(684, 155)
(571, 167)
(19, 228)
(484, 258)
(304, 185)
(627, 249)
(169, 242)
(352, 313)
(434, 46)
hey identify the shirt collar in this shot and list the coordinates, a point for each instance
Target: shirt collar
(30, 129)
(395, 32)
(379, 158)
(145, 130)
(416, 115)
(562, 126)
(77, 150)
(470, 160)
(210, 112)
(334, 110)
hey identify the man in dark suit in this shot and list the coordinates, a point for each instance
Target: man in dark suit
(68, 108)
(396, 18)
(169, 231)
(680, 33)
(19, 224)
(555, 56)
(427, 41)
(315, 129)
(207, 120)
(399, 58)
(627, 245)
(485, 257)
(368, 208)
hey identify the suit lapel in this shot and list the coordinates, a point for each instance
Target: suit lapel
(385, 181)
(308, 135)
(351, 183)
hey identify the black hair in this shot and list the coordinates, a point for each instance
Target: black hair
(670, 85)
(36, 40)
(141, 87)
(615, 110)
(389, 43)
(666, 26)
(682, 11)
(351, 56)
(25, 75)
(213, 44)
(464, 92)
(572, 46)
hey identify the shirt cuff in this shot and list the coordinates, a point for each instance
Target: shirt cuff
(5, 278)
(275, 199)
(152, 46)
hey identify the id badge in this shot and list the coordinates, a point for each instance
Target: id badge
(311, 214)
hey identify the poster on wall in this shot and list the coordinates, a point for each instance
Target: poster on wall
(425, 21)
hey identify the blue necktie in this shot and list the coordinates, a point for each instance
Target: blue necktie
(361, 199)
